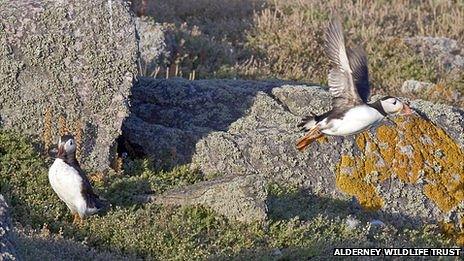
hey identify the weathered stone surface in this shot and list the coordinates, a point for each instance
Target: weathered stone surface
(153, 47)
(409, 170)
(447, 51)
(7, 245)
(434, 91)
(413, 86)
(75, 59)
(168, 117)
(241, 197)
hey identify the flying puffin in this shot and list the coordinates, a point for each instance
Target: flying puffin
(71, 184)
(349, 87)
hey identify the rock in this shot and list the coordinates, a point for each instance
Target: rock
(152, 43)
(168, 117)
(352, 222)
(407, 171)
(448, 51)
(413, 86)
(276, 252)
(376, 223)
(430, 90)
(7, 244)
(241, 198)
(67, 67)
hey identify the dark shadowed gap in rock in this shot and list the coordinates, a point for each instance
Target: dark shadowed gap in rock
(124, 148)
(168, 117)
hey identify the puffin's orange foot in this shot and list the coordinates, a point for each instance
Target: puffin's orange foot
(312, 135)
(77, 220)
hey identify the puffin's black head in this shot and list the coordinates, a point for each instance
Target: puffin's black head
(66, 146)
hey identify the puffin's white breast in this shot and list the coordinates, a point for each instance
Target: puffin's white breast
(67, 184)
(355, 120)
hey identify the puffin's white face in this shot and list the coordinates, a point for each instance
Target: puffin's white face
(66, 145)
(392, 105)
(70, 146)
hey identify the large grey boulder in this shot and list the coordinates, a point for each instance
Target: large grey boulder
(168, 117)
(67, 67)
(153, 49)
(445, 50)
(409, 171)
(7, 245)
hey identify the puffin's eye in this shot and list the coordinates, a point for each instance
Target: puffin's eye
(71, 142)
(394, 103)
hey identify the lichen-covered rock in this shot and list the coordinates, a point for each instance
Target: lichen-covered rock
(415, 87)
(427, 89)
(241, 197)
(7, 245)
(408, 170)
(152, 43)
(67, 67)
(168, 117)
(447, 51)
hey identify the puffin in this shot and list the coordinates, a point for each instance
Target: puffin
(71, 184)
(348, 82)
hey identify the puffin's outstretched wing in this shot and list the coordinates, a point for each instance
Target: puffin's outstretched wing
(358, 63)
(348, 79)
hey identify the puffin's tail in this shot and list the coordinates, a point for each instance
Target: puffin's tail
(97, 204)
(313, 134)
(307, 123)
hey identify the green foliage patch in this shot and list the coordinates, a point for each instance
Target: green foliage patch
(131, 230)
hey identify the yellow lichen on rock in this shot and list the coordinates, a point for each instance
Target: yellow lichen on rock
(322, 139)
(413, 150)
(358, 184)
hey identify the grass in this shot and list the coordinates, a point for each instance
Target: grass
(299, 226)
(264, 39)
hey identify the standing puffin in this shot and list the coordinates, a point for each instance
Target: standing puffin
(349, 87)
(71, 184)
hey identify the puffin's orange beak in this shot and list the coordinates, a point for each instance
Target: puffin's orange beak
(60, 151)
(406, 110)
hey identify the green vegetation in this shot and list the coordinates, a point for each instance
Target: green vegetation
(264, 39)
(299, 225)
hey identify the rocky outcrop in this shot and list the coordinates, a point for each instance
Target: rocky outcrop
(416, 87)
(67, 67)
(407, 170)
(7, 245)
(240, 197)
(447, 51)
(168, 117)
(153, 47)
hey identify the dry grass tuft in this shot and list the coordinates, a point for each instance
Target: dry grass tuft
(47, 132)
(261, 39)
(62, 125)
